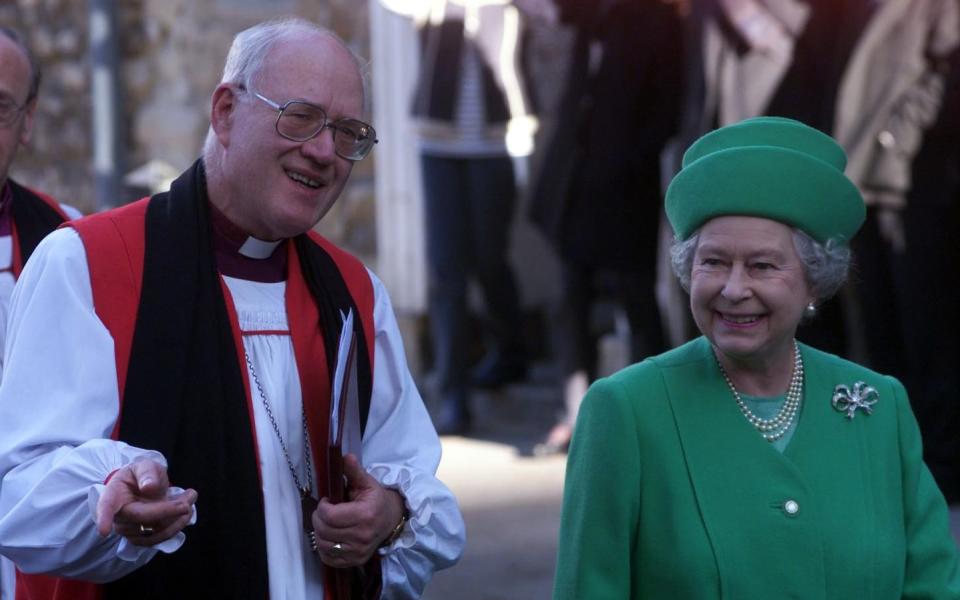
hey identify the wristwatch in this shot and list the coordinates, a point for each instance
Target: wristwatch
(395, 533)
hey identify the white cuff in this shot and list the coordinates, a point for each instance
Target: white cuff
(131, 552)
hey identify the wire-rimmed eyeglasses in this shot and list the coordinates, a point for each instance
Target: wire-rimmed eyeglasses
(299, 121)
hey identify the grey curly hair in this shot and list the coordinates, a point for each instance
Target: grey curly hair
(826, 265)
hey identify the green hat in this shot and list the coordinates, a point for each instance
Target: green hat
(767, 167)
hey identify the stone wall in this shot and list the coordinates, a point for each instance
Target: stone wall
(172, 53)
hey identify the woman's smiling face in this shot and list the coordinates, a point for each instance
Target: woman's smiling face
(748, 287)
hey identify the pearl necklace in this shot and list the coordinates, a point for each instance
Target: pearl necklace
(774, 428)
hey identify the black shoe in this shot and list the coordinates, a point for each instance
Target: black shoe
(494, 372)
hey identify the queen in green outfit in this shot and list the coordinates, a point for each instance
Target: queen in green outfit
(745, 465)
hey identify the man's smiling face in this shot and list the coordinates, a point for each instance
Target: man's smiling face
(280, 188)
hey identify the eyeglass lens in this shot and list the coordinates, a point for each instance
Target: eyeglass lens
(301, 121)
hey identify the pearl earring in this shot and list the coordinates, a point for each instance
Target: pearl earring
(810, 311)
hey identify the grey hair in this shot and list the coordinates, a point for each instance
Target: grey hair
(826, 266)
(681, 258)
(251, 46)
(35, 71)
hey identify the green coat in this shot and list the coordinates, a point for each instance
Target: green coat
(671, 494)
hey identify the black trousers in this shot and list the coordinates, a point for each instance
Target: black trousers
(469, 205)
(582, 286)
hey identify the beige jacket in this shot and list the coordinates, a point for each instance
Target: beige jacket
(890, 92)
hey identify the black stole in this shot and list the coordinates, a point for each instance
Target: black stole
(32, 217)
(185, 397)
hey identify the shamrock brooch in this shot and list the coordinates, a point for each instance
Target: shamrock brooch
(863, 397)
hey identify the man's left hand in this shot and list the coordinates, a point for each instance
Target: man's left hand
(358, 525)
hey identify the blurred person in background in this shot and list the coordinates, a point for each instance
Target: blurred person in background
(909, 240)
(26, 216)
(598, 194)
(473, 114)
(745, 464)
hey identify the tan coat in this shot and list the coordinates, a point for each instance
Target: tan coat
(892, 91)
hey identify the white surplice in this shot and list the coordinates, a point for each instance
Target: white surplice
(7, 571)
(59, 403)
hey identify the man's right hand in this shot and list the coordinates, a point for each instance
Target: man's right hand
(135, 505)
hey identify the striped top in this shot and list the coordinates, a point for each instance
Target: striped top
(471, 137)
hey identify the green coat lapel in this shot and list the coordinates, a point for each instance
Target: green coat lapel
(823, 431)
(831, 451)
(741, 484)
(835, 455)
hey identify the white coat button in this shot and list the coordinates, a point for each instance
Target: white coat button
(791, 507)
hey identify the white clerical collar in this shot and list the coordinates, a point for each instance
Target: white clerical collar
(258, 249)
